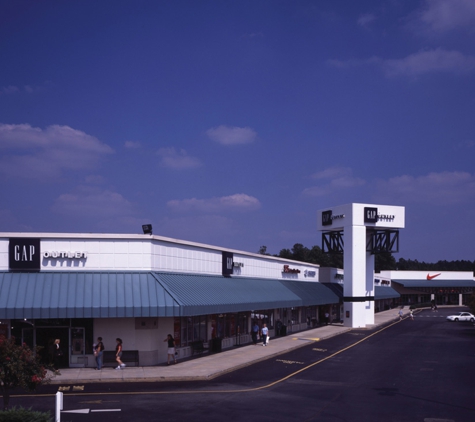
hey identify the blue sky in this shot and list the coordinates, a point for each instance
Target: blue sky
(232, 122)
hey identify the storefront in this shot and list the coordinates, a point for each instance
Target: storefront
(422, 287)
(76, 287)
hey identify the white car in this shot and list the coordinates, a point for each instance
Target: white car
(461, 316)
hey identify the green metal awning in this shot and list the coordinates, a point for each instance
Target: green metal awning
(385, 292)
(380, 292)
(208, 294)
(81, 294)
(312, 293)
(435, 283)
(50, 295)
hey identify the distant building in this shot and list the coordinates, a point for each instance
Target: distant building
(442, 287)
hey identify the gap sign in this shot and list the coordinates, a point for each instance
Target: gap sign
(24, 254)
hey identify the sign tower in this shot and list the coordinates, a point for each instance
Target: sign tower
(359, 231)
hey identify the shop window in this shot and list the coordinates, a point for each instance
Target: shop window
(192, 329)
(264, 317)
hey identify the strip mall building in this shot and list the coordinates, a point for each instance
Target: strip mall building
(140, 288)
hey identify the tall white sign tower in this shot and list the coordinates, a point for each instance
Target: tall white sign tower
(359, 231)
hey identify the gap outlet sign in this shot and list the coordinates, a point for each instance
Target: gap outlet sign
(24, 254)
(227, 261)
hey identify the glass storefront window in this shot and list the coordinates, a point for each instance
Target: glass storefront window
(192, 329)
(264, 317)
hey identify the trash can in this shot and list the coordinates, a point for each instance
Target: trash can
(215, 345)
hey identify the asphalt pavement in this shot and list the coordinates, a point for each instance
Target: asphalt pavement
(210, 366)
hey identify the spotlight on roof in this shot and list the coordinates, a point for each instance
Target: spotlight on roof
(147, 229)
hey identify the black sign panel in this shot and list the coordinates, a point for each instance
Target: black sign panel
(24, 254)
(370, 215)
(227, 263)
(327, 218)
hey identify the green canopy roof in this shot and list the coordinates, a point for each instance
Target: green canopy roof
(81, 294)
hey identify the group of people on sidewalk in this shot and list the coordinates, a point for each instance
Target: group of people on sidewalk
(99, 353)
(264, 333)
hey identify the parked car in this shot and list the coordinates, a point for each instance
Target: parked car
(461, 316)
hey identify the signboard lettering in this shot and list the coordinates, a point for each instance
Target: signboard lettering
(24, 254)
(227, 261)
(370, 215)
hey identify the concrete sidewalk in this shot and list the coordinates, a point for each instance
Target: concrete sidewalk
(211, 366)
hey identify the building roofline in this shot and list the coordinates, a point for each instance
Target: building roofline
(117, 236)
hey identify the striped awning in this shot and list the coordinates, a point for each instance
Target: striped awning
(49, 295)
(81, 294)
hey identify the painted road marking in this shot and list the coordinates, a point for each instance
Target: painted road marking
(84, 411)
(290, 362)
(106, 410)
(319, 350)
(305, 338)
(76, 411)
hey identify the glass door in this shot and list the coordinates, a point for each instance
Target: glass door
(77, 357)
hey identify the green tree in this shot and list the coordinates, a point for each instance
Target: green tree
(20, 367)
(263, 250)
(384, 261)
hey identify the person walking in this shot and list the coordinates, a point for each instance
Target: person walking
(254, 332)
(98, 352)
(171, 348)
(400, 314)
(411, 314)
(118, 353)
(327, 317)
(264, 333)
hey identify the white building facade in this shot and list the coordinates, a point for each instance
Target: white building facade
(140, 288)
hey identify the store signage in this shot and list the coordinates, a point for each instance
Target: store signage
(63, 255)
(339, 276)
(24, 254)
(370, 215)
(227, 263)
(328, 217)
(308, 273)
(238, 264)
(290, 270)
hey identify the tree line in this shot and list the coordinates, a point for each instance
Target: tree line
(383, 261)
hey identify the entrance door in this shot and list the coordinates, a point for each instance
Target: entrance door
(28, 337)
(77, 358)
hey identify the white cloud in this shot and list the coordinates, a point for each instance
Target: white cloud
(437, 189)
(203, 228)
(333, 172)
(237, 202)
(132, 144)
(178, 160)
(366, 19)
(444, 15)
(332, 179)
(437, 60)
(226, 135)
(9, 89)
(94, 202)
(422, 62)
(47, 153)
(29, 89)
